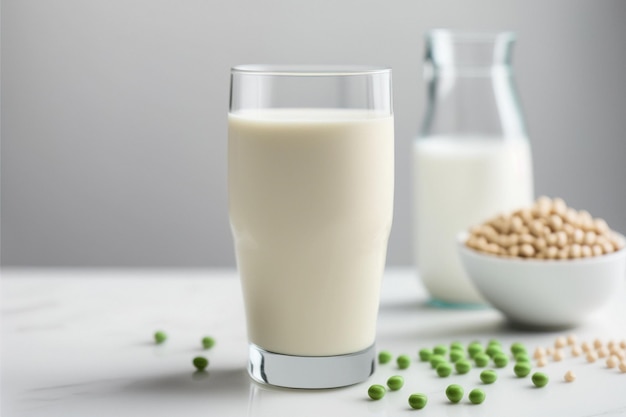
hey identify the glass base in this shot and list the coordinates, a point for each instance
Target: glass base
(310, 372)
(434, 302)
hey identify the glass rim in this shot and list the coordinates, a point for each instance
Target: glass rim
(309, 70)
(471, 35)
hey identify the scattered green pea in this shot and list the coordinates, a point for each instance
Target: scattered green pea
(425, 354)
(395, 382)
(160, 336)
(540, 379)
(494, 342)
(522, 369)
(457, 346)
(522, 357)
(474, 348)
(463, 366)
(376, 392)
(481, 360)
(517, 347)
(440, 350)
(454, 393)
(208, 342)
(488, 376)
(444, 369)
(456, 355)
(492, 350)
(477, 396)
(384, 357)
(418, 401)
(501, 359)
(200, 362)
(403, 361)
(436, 360)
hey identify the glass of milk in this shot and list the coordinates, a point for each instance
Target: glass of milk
(472, 159)
(311, 182)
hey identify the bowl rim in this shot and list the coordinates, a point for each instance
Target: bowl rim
(461, 239)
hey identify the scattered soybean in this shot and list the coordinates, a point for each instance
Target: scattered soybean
(418, 401)
(160, 336)
(384, 357)
(477, 396)
(540, 379)
(403, 361)
(454, 393)
(521, 369)
(395, 382)
(376, 392)
(488, 376)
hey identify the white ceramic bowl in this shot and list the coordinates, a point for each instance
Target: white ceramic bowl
(544, 293)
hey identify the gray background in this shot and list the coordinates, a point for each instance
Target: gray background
(114, 111)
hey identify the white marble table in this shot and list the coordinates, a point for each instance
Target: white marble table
(78, 343)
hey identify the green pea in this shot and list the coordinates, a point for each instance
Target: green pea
(440, 350)
(376, 392)
(501, 359)
(456, 345)
(425, 354)
(474, 348)
(403, 361)
(384, 357)
(418, 401)
(494, 342)
(200, 362)
(436, 360)
(208, 342)
(522, 357)
(481, 360)
(488, 376)
(517, 347)
(456, 355)
(444, 369)
(160, 336)
(540, 379)
(395, 382)
(463, 366)
(522, 369)
(493, 349)
(454, 393)
(477, 396)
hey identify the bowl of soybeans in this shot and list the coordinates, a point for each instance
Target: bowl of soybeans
(545, 266)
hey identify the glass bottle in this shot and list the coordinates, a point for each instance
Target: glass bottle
(471, 159)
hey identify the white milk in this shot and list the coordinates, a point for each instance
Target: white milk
(311, 200)
(459, 183)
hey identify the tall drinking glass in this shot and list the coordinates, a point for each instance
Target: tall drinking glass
(310, 180)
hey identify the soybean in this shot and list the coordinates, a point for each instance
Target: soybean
(474, 348)
(436, 360)
(488, 376)
(444, 369)
(208, 342)
(477, 396)
(540, 379)
(501, 360)
(160, 337)
(425, 354)
(200, 362)
(440, 350)
(384, 357)
(456, 355)
(481, 360)
(522, 369)
(376, 392)
(403, 361)
(463, 366)
(418, 401)
(454, 393)
(395, 382)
